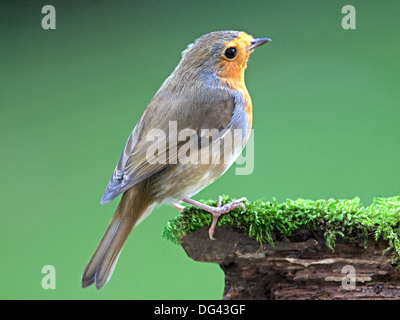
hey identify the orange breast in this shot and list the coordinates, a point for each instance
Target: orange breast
(233, 75)
(249, 108)
(232, 71)
(237, 84)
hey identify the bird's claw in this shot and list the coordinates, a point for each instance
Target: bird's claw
(221, 209)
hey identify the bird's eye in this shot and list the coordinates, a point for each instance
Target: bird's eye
(230, 53)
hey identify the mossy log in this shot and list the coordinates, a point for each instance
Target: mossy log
(299, 249)
(298, 267)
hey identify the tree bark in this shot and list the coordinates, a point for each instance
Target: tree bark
(301, 267)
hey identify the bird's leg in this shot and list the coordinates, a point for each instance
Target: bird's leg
(178, 206)
(217, 211)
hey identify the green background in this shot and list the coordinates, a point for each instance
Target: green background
(326, 120)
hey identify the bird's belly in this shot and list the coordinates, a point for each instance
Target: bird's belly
(180, 180)
(188, 180)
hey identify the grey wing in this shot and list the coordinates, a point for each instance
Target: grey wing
(117, 181)
(134, 164)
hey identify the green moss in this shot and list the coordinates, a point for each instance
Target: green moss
(335, 217)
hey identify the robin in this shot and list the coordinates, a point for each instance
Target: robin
(205, 91)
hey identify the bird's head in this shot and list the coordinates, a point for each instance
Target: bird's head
(221, 53)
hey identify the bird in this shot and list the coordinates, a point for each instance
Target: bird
(205, 93)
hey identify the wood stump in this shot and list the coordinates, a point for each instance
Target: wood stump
(300, 267)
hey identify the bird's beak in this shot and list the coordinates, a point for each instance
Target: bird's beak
(258, 42)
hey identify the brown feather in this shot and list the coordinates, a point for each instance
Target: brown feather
(134, 206)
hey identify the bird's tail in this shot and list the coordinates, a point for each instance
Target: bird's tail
(132, 209)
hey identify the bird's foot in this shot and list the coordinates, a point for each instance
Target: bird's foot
(178, 206)
(217, 211)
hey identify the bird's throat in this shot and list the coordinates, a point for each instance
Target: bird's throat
(233, 76)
